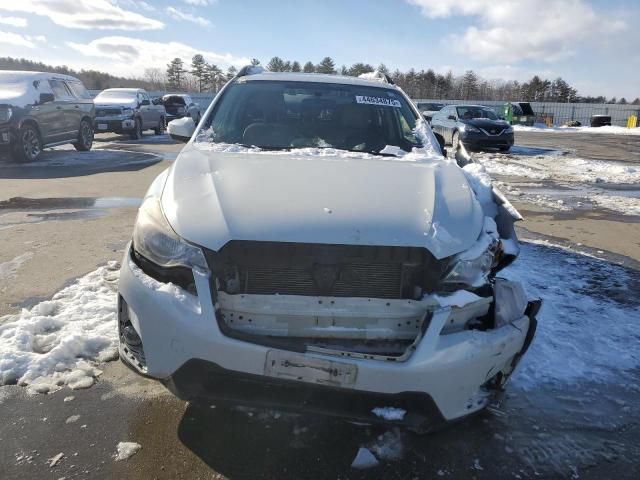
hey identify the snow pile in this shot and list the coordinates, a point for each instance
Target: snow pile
(610, 129)
(552, 166)
(364, 459)
(127, 450)
(387, 446)
(389, 413)
(588, 324)
(57, 342)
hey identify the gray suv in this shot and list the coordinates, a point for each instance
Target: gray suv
(39, 110)
(128, 110)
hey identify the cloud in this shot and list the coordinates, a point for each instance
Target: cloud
(84, 14)
(509, 31)
(13, 21)
(198, 3)
(20, 40)
(126, 53)
(137, 4)
(180, 15)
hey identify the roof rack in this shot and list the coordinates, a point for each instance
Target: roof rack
(377, 76)
(250, 70)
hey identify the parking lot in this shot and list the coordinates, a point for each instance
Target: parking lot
(572, 409)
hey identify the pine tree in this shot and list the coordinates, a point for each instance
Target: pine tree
(382, 68)
(255, 61)
(622, 101)
(276, 64)
(213, 77)
(359, 68)
(326, 65)
(198, 68)
(469, 85)
(295, 66)
(309, 68)
(231, 72)
(175, 74)
(636, 102)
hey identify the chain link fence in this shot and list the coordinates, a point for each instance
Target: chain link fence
(560, 113)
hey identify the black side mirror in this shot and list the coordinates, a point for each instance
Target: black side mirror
(451, 117)
(145, 102)
(46, 98)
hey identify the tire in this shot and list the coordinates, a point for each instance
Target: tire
(136, 134)
(29, 145)
(455, 140)
(505, 149)
(85, 137)
(159, 130)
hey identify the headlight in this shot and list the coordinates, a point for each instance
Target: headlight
(473, 272)
(5, 114)
(469, 128)
(508, 129)
(127, 112)
(154, 239)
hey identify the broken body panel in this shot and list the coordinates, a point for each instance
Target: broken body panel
(318, 269)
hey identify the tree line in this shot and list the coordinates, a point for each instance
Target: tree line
(201, 76)
(92, 79)
(426, 84)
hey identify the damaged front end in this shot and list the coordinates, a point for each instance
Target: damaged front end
(367, 302)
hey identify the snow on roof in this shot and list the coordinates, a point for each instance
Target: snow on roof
(19, 76)
(122, 90)
(315, 77)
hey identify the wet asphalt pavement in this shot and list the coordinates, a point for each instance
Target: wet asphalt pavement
(588, 429)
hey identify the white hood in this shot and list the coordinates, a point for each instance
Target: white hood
(213, 197)
(125, 102)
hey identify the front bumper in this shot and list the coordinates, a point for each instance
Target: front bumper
(114, 124)
(8, 136)
(186, 349)
(481, 140)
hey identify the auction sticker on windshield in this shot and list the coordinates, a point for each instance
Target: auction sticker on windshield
(378, 101)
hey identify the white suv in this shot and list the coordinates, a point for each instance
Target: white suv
(312, 248)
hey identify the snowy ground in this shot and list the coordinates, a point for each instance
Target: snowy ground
(610, 129)
(559, 180)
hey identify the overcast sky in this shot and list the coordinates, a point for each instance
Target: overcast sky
(590, 43)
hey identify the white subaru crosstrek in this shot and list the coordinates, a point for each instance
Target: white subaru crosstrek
(312, 249)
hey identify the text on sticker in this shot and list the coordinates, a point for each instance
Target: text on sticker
(388, 102)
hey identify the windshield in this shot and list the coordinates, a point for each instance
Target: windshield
(284, 115)
(433, 107)
(470, 113)
(116, 94)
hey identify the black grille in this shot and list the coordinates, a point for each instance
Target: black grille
(105, 112)
(324, 270)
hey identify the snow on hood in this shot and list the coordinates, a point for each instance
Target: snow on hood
(131, 102)
(320, 196)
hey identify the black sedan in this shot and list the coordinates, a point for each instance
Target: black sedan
(477, 127)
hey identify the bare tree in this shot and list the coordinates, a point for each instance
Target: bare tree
(156, 77)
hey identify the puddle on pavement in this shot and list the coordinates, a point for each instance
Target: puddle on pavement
(60, 203)
(21, 210)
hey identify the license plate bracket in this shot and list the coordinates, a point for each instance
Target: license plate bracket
(304, 368)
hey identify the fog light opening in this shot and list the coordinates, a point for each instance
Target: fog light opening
(131, 349)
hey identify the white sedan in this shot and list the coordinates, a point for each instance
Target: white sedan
(312, 249)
